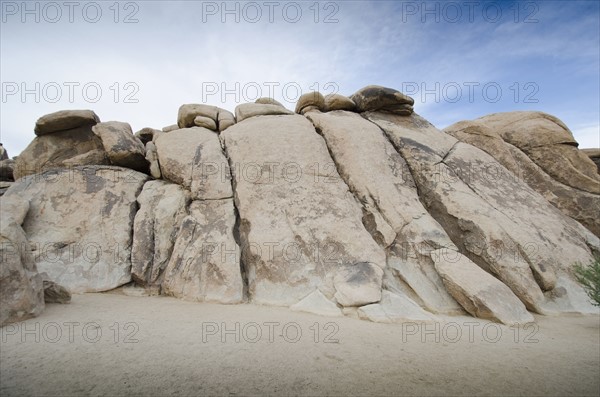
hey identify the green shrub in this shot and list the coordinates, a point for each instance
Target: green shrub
(589, 277)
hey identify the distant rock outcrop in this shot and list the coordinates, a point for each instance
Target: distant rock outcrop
(346, 206)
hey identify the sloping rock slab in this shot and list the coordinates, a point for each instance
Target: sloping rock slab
(500, 223)
(205, 264)
(299, 224)
(162, 208)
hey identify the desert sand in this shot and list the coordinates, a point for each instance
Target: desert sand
(112, 344)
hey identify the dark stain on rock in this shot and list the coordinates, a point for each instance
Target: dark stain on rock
(93, 182)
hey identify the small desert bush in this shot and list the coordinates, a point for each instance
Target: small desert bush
(589, 277)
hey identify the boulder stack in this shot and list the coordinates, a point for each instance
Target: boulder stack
(347, 206)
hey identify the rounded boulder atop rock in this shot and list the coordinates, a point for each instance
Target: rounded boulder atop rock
(65, 120)
(376, 97)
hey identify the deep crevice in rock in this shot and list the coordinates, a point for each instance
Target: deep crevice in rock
(237, 226)
(344, 177)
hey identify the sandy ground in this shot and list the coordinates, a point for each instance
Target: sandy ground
(110, 344)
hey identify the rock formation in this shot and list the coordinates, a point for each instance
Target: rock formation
(346, 206)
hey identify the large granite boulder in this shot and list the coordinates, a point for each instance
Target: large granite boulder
(578, 204)
(388, 193)
(193, 158)
(79, 224)
(162, 207)
(480, 293)
(550, 144)
(501, 224)
(122, 148)
(61, 149)
(205, 264)
(300, 227)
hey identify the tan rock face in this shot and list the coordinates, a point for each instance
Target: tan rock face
(79, 224)
(498, 222)
(387, 190)
(299, 224)
(122, 147)
(205, 264)
(578, 204)
(162, 207)
(478, 292)
(193, 158)
(377, 215)
(339, 102)
(550, 144)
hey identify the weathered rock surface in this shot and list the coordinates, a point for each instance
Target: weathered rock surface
(205, 264)
(122, 147)
(376, 215)
(300, 227)
(62, 149)
(21, 288)
(188, 113)
(162, 207)
(578, 204)
(375, 97)
(501, 224)
(193, 158)
(65, 120)
(248, 110)
(550, 144)
(481, 294)
(79, 224)
(339, 102)
(387, 190)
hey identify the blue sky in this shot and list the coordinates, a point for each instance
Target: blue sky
(138, 61)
